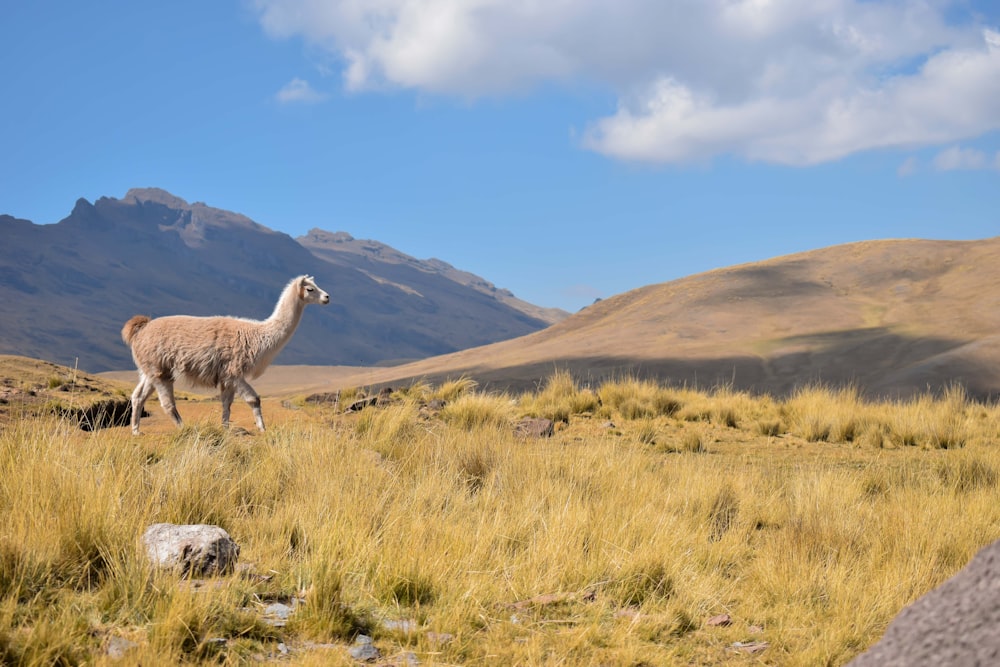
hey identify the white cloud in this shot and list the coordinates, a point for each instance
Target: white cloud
(298, 90)
(955, 158)
(781, 81)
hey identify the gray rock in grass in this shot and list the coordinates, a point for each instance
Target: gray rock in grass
(954, 624)
(192, 550)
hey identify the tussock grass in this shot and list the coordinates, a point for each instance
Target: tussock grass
(473, 411)
(813, 519)
(559, 398)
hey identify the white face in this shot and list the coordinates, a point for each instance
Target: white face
(313, 294)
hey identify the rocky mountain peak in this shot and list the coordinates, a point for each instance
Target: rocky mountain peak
(156, 196)
(322, 237)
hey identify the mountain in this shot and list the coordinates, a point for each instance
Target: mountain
(66, 288)
(387, 265)
(893, 318)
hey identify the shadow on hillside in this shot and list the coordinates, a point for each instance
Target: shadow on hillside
(880, 363)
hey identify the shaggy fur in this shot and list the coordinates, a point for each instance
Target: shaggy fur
(222, 352)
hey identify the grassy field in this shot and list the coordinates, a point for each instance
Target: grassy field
(808, 521)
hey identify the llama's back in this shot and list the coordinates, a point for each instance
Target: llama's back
(204, 350)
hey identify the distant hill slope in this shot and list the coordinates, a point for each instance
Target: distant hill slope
(389, 266)
(66, 288)
(891, 317)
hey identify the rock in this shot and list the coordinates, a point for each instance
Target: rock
(720, 621)
(276, 614)
(332, 397)
(750, 647)
(954, 624)
(405, 626)
(362, 403)
(534, 427)
(383, 398)
(364, 650)
(192, 550)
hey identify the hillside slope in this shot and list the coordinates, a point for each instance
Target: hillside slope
(891, 317)
(66, 288)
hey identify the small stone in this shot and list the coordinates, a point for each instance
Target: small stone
(364, 650)
(720, 621)
(276, 614)
(750, 647)
(405, 626)
(362, 403)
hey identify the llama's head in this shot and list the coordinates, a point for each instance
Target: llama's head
(309, 292)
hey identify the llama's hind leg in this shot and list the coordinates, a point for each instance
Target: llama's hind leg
(246, 392)
(165, 390)
(142, 391)
(227, 393)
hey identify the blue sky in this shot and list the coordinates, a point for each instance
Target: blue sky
(566, 150)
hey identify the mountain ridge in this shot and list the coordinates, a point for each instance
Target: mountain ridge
(66, 287)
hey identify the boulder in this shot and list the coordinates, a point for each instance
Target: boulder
(192, 550)
(954, 624)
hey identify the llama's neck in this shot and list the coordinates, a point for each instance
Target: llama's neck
(280, 326)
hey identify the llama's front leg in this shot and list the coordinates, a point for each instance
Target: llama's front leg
(227, 394)
(165, 390)
(247, 393)
(142, 391)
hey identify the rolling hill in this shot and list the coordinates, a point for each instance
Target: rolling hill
(893, 318)
(67, 288)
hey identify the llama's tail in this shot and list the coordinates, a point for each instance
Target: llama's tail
(132, 327)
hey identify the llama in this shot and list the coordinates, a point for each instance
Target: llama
(220, 352)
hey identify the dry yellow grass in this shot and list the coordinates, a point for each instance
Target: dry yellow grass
(446, 536)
